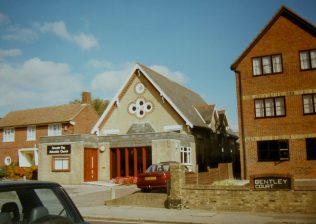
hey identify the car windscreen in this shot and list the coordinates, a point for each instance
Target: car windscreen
(21, 204)
(158, 168)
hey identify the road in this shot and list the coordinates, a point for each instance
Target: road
(116, 222)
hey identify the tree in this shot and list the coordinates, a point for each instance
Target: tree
(98, 104)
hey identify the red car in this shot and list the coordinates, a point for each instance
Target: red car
(155, 177)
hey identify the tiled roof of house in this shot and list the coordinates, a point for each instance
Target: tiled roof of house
(45, 115)
(184, 99)
(287, 13)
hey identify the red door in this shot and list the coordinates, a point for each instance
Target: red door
(90, 164)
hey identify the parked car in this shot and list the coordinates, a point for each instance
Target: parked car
(34, 202)
(156, 176)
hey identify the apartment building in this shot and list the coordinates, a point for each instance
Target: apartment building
(20, 131)
(276, 98)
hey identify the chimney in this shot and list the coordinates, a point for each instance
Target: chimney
(86, 98)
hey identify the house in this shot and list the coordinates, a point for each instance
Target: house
(151, 119)
(276, 96)
(21, 130)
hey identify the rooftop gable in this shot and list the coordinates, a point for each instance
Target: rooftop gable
(181, 99)
(285, 12)
(39, 116)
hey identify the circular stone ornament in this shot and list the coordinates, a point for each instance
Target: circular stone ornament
(139, 88)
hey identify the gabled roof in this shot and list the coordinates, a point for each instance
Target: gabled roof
(222, 117)
(206, 112)
(39, 116)
(181, 99)
(287, 13)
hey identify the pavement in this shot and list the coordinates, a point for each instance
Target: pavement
(90, 198)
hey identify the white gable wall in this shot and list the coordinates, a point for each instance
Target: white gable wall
(161, 115)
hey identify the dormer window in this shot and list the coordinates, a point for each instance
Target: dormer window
(266, 65)
(54, 130)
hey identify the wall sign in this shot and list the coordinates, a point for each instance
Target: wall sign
(58, 149)
(272, 182)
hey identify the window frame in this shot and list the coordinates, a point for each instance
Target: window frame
(31, 135)
(62, 158)
(186, 155)
(310, 149)
(273, 69)
(279, 150)
(52, 131)
(8, 135)
(265, 108)
(313, 95)
(309, 59)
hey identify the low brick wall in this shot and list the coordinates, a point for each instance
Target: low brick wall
(243, 199)
(234, 198)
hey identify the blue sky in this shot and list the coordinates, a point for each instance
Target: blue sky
(51, 51)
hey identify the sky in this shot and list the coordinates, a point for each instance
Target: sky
(51, 51)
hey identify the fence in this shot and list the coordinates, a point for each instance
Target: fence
(222, 172)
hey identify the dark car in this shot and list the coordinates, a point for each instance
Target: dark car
(36, 202)
(156, 176)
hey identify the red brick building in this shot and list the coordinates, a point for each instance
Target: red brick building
(276, 94)
(21, 130)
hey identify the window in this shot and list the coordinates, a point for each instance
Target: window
(8, 135)
(266, 65)
(308, 59)
(273, 150)
(309, 103)
(31, 133)
(311, 148)
(61, 164)
(270, 107)
(185, 153)
(54, 130)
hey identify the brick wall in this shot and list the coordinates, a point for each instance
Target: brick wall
(242, 199)
(85, 121)
(236, 198)
(286, 38)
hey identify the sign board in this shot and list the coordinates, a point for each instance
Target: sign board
(58, 149)
(272, 182)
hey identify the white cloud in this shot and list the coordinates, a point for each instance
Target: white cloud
(37, 83)
(10, 53)
(19, 34)
(84, 41)
(94, 63)
(57, 28)
(4, 19)
(176, 76)
(112, 80)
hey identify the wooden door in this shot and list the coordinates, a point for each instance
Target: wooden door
(90, 165)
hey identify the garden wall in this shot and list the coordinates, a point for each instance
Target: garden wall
(238, 198)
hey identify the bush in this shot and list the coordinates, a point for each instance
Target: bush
(124, 180)
(15, 172)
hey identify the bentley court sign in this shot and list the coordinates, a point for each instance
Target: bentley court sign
(272, 182)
